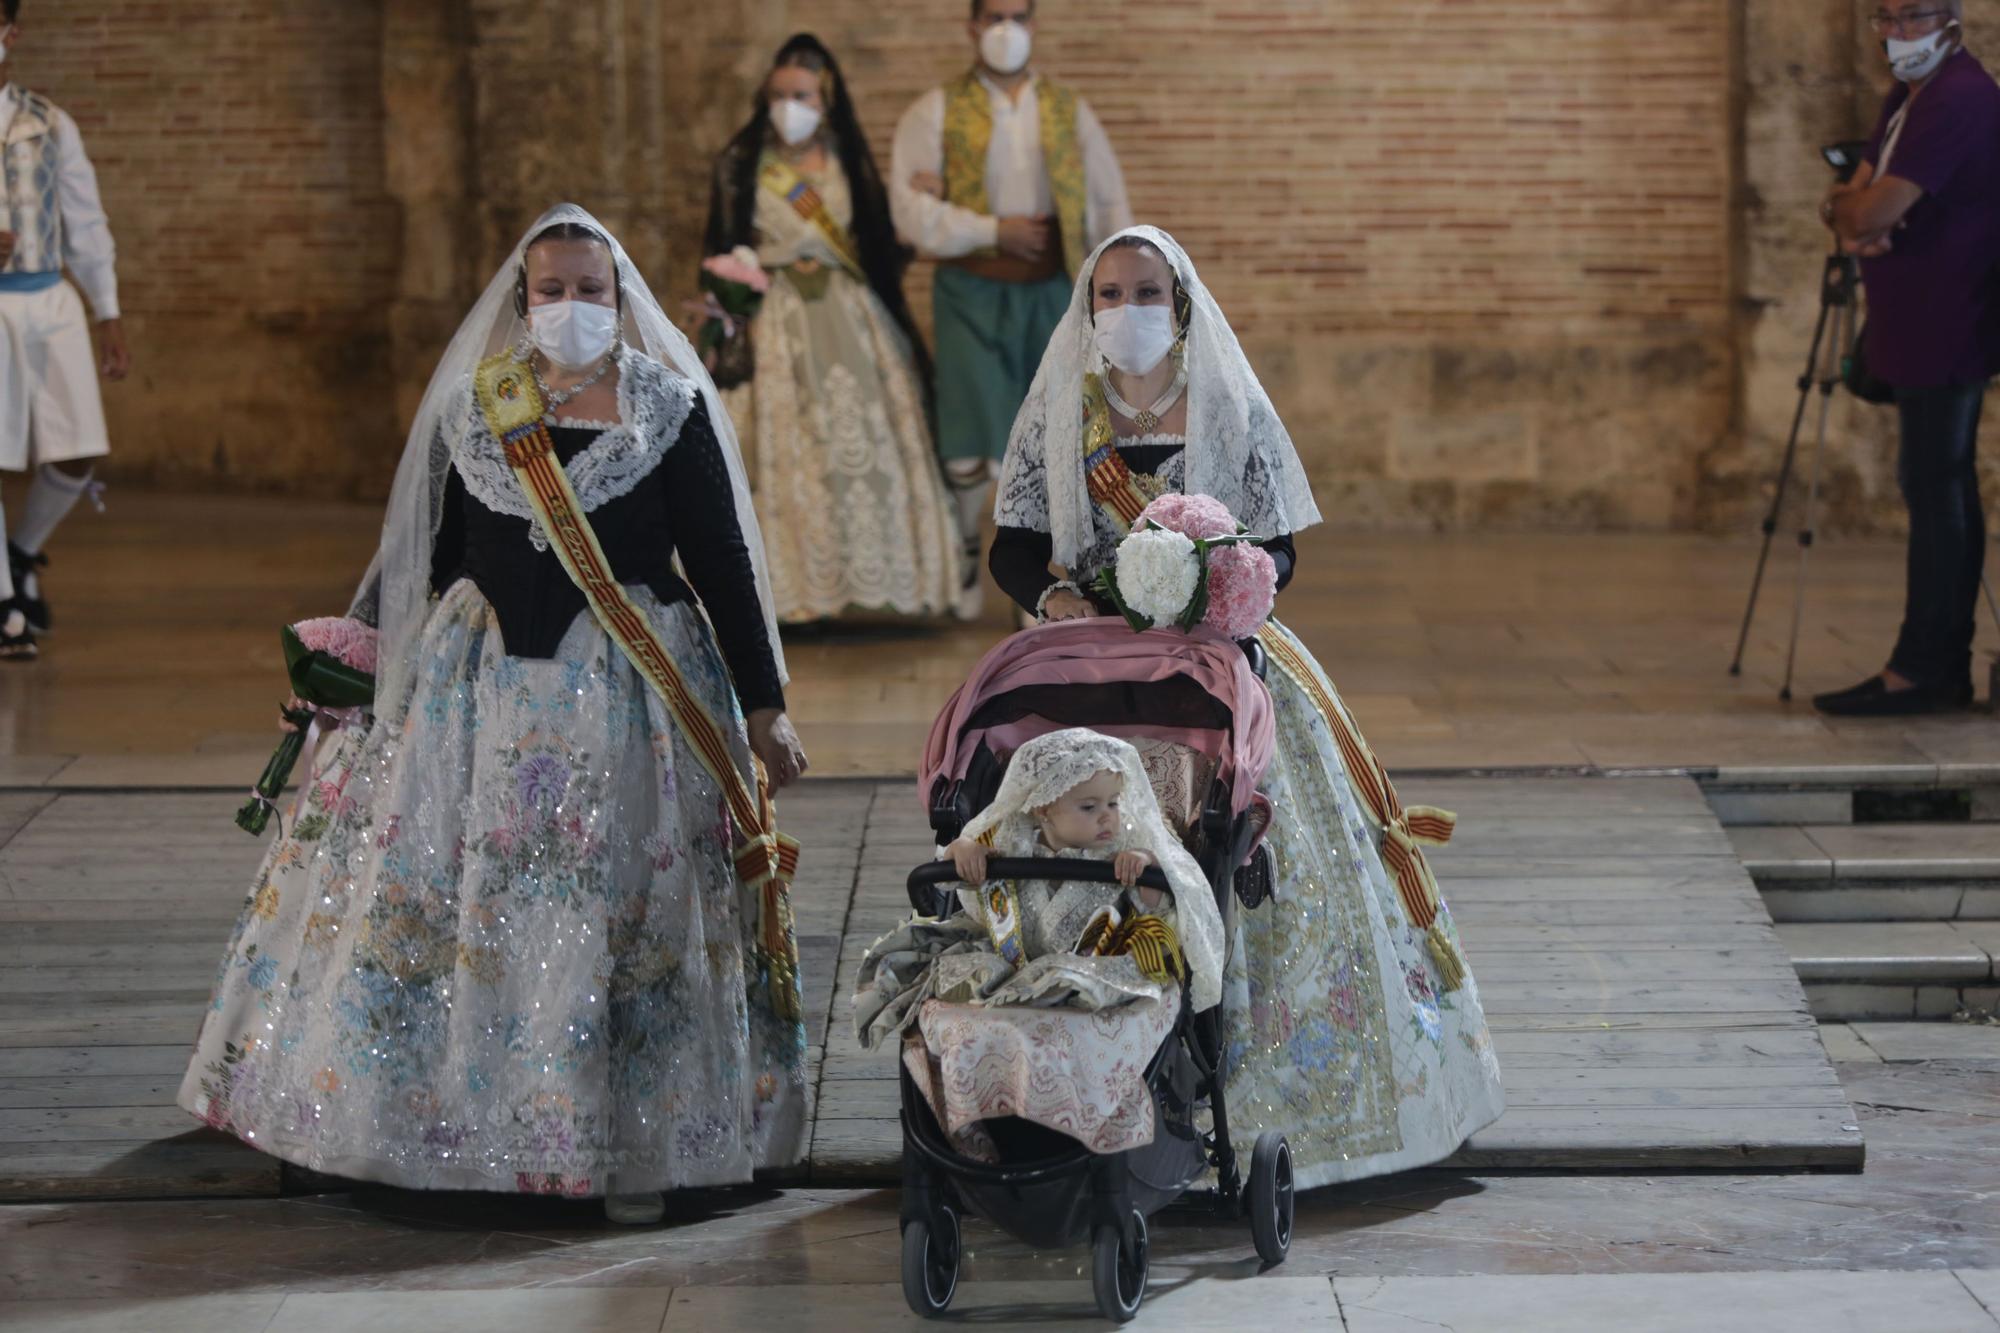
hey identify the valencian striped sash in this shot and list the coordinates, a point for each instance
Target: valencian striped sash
(1109, 479)
(765, 859)
(780, 179)
(1404, 832)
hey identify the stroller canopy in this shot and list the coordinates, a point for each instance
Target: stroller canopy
(1196, 689)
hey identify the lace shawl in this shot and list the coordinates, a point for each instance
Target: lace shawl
(1238, 450)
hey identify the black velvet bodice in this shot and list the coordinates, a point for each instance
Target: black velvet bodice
(1020, 557)
(684, 504)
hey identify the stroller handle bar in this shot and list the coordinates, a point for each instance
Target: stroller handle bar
(925, 879)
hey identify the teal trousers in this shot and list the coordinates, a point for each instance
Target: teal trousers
(990, 340)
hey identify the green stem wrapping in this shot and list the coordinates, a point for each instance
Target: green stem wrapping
(255, 816)
(1107, 584)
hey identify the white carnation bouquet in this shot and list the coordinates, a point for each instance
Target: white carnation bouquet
(1188, 562)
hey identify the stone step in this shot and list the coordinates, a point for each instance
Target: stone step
(1874, 872)
(1847, 794)
(1895, 970)
(1911, 1043)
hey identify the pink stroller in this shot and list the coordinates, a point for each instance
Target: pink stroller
(1196, 708)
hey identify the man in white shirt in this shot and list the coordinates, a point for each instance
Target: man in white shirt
(1008, 181)
(51, 416)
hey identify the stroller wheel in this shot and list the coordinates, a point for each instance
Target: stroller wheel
(930, 1263)
(1119, 1274)
(1271, 1196)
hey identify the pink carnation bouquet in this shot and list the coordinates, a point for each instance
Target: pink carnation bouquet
(1233, 579)
(733, 288)
(331, 663)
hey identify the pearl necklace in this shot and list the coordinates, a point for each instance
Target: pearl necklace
(554, 398)
(1150, 417)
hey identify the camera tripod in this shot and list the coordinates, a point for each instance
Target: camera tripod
(1826, 363)
(1826, 369)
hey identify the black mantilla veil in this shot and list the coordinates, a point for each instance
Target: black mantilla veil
(732, 209)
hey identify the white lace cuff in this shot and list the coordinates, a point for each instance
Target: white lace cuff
(1042, 602)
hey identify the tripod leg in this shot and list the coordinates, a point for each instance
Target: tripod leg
(1784, 477)
(1993, 672)
(1827, 384)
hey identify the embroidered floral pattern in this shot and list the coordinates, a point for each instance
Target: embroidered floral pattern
(1333, 1027)
(514, 955)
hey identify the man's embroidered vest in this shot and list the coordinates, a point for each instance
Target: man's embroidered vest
(968, 134)
(34, 213)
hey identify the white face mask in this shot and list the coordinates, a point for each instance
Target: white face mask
(1135, 338)
(1918, 58)
(573, 334)
(795, 121)
(1005, 46)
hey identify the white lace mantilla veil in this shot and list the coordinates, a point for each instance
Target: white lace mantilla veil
(395, 593)
(1046, 767)
(1237, 449)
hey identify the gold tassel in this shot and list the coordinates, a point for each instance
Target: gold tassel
(1152, 944)
(1095, 939)
(778, 953)
(1451, 965)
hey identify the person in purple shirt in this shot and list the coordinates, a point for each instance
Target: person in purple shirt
(1923, 215)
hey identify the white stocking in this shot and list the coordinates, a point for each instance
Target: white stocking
(6, 566)
(51, 497)
(972, 494)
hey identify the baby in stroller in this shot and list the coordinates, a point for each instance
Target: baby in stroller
(1055, 997)
(1051, 997)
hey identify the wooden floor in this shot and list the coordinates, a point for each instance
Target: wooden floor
(1643, 1011)
(1573, 652)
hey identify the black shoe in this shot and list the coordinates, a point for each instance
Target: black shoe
(17, 641)
(28, 586)
(1874, 698)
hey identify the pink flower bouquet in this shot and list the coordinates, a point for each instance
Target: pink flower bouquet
(733, 288)
(1211, 573)
(331, 663)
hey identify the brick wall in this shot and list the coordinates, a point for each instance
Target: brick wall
(1481, 250)
(238, 145)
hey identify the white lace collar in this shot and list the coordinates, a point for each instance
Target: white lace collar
(653, 405)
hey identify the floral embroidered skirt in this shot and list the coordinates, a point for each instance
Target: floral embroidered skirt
(501, 946)
(1337, 1029)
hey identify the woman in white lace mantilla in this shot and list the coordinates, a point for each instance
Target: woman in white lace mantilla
(832, 402)
(1349, 1023)
(503, 946)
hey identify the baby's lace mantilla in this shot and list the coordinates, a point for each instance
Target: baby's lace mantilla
(653, 404)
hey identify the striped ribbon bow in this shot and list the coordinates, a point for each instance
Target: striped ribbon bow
(1403, 833)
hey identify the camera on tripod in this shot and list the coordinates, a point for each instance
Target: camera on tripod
(1845, 158)
(1833, 360)
(1829, 364)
